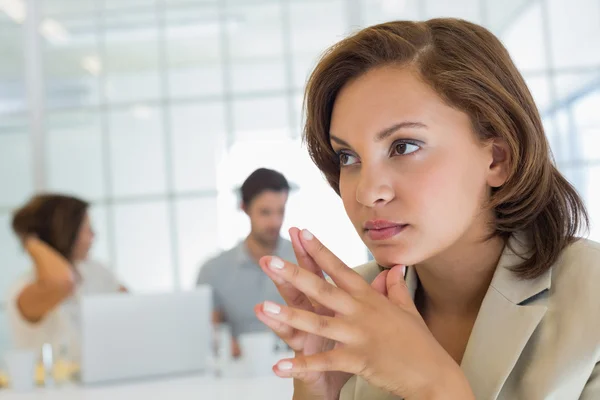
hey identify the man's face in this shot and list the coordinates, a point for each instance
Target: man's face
(266, 212)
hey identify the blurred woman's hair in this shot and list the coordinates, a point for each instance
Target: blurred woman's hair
(472, 72)
(55, 219)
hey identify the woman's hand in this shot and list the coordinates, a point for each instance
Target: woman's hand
(307, 384)
(379, 333)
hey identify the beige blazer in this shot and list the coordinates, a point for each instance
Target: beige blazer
(533, 339)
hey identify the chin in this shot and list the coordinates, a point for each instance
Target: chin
(269, 240)
(391, 255)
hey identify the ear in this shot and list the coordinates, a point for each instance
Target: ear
(500, 166)
(244, 208)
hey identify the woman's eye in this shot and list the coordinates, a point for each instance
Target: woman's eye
(404, 148)
(347, 159)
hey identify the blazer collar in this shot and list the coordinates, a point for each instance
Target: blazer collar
(511, 311)
(505, 322)
(506, 282)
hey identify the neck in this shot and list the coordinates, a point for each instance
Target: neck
(258, 248)
(456, 281)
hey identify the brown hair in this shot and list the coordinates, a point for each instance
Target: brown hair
(261, 180)
(471, 71)
(54, 219)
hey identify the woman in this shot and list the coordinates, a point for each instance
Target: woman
(430, 136)
(43, 306)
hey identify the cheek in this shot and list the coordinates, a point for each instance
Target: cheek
(446, 191)
(266, 221)
(348, 195)
(85, 240)
(258, 221)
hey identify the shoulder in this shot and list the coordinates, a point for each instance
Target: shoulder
(209, 268)
(286, 250)
(285, 244)
(578, 265)
(223, 257)
(574, 298)
(97, 274)
(94, 267)
(97, 277)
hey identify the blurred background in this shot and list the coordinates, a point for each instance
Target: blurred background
(156, 110)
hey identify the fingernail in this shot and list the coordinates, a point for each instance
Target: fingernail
(307, 235)
(276, 263)
(271, 308)
(284, 366)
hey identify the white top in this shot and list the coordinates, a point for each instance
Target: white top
(60, 327)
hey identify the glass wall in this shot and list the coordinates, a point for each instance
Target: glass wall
(16, 166)
(156, 110)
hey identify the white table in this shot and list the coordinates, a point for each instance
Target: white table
(183, 388)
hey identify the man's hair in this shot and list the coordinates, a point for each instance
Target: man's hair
(260, 181)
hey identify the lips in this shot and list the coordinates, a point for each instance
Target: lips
(383, 229)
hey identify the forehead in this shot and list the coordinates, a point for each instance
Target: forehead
(384, 96)
(270, 198)
(86, 218)
(86, 223)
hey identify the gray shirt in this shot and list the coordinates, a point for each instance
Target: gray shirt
(238, 284)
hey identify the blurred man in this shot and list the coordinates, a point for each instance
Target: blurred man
(236, 278)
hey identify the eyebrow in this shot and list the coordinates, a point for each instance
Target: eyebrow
(385, 133)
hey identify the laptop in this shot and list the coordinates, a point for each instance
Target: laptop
(129, 336)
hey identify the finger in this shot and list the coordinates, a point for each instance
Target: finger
(293, 337)
(292, 296)
(343, 276)
(379, 284)
(338, 359)
(396, 287)
(311, 285)
(304, 259)
(309, 322)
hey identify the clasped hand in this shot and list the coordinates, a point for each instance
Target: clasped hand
(371, 330)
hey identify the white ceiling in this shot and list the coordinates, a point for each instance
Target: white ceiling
(193, 29)
(129, 33)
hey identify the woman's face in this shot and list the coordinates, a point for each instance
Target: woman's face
(414, 177)
(84, 241)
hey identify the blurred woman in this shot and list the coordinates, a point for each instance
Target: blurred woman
(56, 232)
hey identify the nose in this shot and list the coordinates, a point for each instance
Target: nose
(374, 187)
(276, 220)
